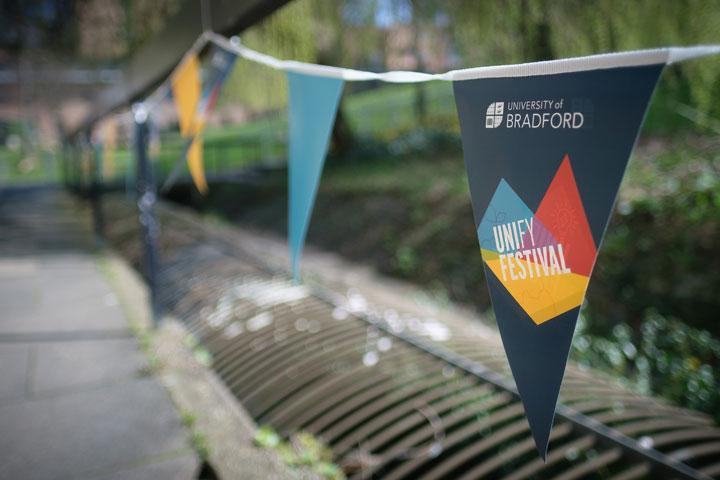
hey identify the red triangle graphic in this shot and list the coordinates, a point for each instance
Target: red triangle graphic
(562, 213)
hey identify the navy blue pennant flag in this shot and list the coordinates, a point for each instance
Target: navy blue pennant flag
(545, 150)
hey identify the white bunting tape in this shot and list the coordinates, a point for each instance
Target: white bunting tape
(667, 55)
(655, 56)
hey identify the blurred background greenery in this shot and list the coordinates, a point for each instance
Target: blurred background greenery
(394, 193)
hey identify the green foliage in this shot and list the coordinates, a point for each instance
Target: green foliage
(200, 444)
(203, 356)
(664, 357)
(266, 437)
(470, 33)
(22, 158)
(302, 450)
(188, 419)
(146, 18)
(508, 32)
(146, 340)
(667, 222)
(651, 316)
(407, 259)
(287, 34)
(200, 353)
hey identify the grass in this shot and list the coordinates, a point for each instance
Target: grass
(19, 167)
(374, 115)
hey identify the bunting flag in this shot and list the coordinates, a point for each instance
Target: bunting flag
(195, 164)
(186, 92)
(194, 107)
(221, 64)
(545, 151)
(313, 105)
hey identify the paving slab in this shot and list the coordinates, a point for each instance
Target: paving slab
(64, 365)
(79, 316)
(17, 294)
(176, 468)
(80, 433)
(13, 370)
(57, 299)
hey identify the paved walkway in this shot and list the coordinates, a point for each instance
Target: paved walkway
(76, 401)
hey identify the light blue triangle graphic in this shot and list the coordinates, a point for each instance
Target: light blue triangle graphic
(313, 105)
(505, 206)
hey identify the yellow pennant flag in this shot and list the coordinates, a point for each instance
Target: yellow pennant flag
(186, 89)
(195, 163)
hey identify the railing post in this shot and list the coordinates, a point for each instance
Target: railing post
(146, 198)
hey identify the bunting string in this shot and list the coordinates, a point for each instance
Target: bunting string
(666, 55)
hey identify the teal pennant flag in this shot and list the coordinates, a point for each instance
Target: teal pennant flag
(313, 105)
